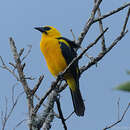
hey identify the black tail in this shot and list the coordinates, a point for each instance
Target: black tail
(78, 103)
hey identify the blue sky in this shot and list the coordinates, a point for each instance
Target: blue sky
(18, 18)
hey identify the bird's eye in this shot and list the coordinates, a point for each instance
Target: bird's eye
(47, 28)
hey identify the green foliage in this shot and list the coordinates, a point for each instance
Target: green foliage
(128, 72)
(124, 87)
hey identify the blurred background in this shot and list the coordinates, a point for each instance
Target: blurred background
(18, 19)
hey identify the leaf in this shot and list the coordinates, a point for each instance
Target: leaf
(124, 87)
(128, 72)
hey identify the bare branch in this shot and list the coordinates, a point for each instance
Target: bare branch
(18, 65)
(16, 101)
(22, 78)
(89, 23)
(55, 114)
(13, 92)
(69, 115)
(12, 65)
(6, 68)
(46, 117)
(30, 78)
(62, 87)
(102, 54)
(38, 98)
(49, 119)
(111, 13)
(101, 28)
(7, 114)
(126, 21)
(60, 113)
(38, 84)
(123, 115)
(86, 49)
(21, 122)
(28, 52)
(74, 38)
(42, 99)
(118, 106)
(21, 51)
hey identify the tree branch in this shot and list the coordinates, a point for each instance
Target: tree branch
(101, 29)
(89, 23)
(102, 54)
(7, 114)
(46, 116)
(22, 78)
(6, 68)
(60, 113)
(37, 85)
(123, 115)
(111, 12)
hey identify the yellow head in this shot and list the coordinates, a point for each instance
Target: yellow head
(48, 31)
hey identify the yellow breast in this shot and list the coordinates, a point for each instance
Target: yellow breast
(53, 55)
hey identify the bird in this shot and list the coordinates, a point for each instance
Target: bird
(59, 52)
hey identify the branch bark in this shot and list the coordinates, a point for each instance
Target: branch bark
(22, 78)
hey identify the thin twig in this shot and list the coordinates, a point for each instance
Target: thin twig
(13, 92)
(111, 12)
(102, 54)
(21, 51)
(23, 66)
(55, 114)
(122, 117)
(37, 85)
(88, 23)
(6, 68)
(42, 100)
(88, 56)
(74, 38)
(4, 120)
(83, 52)
(60, 113)
(12, 65)
(69, 115)
(126, 21)
(28, 52)
(62, 87)
(38, 98)
(7, 114)
(21, 122)
(101, 29)
(118, 106)
(30, 78)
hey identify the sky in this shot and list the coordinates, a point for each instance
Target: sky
(18, 19)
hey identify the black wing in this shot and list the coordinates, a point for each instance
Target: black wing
(71, 43)
(69, 54)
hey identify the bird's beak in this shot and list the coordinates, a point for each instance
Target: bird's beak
(41, 29)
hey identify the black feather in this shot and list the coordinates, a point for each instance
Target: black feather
(69, 54)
